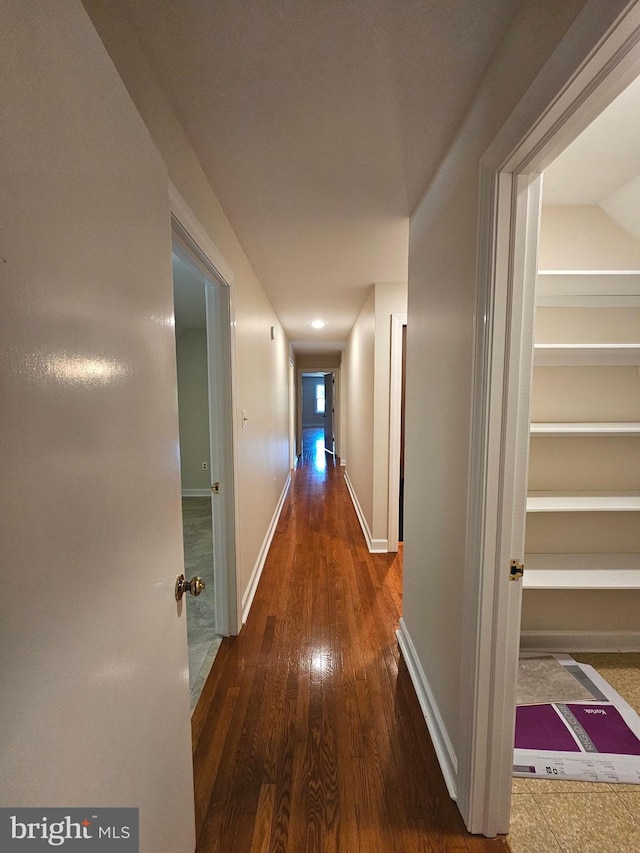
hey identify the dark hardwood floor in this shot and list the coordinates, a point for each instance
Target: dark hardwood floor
(308, 735)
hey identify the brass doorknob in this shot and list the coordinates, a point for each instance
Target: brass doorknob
(194, 586)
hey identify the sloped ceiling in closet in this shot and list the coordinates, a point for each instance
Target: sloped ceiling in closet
(602, 166)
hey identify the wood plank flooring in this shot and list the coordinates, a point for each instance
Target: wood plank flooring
(308, 736)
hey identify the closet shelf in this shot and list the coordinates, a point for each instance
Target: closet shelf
(585, 428)
(583, 502)
(577, 289)
(588, 288)
(582, 571)
(568, 355)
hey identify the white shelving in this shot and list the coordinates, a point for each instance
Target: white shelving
(588, 288)
(576, 355)
(560, 502)
(570, 429)
(574, 339)
(582, 571)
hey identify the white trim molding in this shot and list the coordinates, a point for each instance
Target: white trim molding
(375, 546)
(441, 741)
(256, 574)
(580, 641)
(198, 235)
(497, 495)
(196, 493)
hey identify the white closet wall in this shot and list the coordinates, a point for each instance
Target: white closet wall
(582, 574)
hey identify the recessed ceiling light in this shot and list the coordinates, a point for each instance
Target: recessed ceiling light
(318, 324)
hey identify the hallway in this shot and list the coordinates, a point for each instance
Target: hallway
(308, 736)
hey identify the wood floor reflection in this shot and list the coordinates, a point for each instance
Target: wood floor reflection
(308, 736)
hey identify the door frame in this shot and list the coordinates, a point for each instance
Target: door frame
(292, 414)
(331, 412)
(547, 119)
(398, 321)
(336, 403)
(222, 415)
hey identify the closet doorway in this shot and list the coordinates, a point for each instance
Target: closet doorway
(581, 583)
(501, 512)
(203, 361)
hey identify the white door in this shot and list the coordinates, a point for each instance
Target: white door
(396, 427)
(95, 697)
(292, 415)
(329, 439)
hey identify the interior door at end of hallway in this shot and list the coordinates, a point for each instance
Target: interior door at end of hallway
(329, 438)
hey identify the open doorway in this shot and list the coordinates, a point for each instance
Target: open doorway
(501, 512)
(581, 584)
(195, 466)
(203, 356)
(318, 412)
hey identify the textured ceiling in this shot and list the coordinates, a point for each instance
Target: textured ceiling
(319, 124)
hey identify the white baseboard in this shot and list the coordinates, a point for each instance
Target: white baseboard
(580, 641)
(196, 493)
(375, 546)
(444, 750)
(256, 574)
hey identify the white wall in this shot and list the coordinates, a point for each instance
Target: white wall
(321, 362)
(390, 299)
(575, 237)
(358, 395)
(623, 207)
(310, 417)
(580, 610)
(261, 364)
(442, 279)
(193, 408)
(367, 377)
(318, 361)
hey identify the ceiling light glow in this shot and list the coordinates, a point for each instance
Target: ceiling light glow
(318, 324)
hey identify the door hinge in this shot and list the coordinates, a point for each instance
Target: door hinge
(516, 570)
(215, 488)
